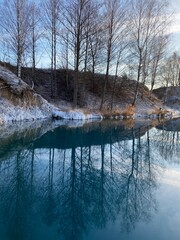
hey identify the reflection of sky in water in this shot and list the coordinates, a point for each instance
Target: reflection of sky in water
(122, 184)
(165, 222)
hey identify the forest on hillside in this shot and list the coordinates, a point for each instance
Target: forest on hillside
(115, 38)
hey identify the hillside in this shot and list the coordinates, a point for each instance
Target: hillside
(18, 101)
(170, 96)
(26, 100)
(90, 93)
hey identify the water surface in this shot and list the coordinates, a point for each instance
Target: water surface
(106, 180)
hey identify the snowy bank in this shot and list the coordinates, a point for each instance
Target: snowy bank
(74, 115)
(19, 102)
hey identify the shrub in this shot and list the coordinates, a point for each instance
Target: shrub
(128, 111)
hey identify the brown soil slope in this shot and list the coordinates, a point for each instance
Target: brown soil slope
(90, 90)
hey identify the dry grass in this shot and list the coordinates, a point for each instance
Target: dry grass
(85, 111)
(128, 111)
(26, 98)
(158, 111)
(108, 113)
(116, 112)
(89, 92)
(105, 111)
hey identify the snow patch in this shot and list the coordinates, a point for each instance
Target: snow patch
(74, 115)
(9, 112)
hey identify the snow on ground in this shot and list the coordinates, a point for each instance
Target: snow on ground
(76, 115)
(31, 106)
(10, 112)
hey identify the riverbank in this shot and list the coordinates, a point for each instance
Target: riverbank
(20, 102)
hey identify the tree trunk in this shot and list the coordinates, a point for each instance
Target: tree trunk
(33, 54)
(138, 79)
(76, 79)
(19, 65)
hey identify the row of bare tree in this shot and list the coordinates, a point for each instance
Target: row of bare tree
(108, 36)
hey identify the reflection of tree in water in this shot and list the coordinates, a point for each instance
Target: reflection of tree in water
(102, 182)
(138, 202)
(16, 178)
(49, 195)
(79, 187)
(167, 143)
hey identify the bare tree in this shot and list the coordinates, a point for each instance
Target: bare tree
(65, 51)
(149, 20)
(76, 19)
(96, 43)
(114, 12)
(169, 73)
(52, 10)
(35, 34)
(95, 51)
(171, 70)
(120, 56)
(15, 15)
(4, 48)
(158, 54)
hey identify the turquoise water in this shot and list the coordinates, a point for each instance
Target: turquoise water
(104, 181)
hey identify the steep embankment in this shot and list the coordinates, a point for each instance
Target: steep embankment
(119, 92)
(18, 101)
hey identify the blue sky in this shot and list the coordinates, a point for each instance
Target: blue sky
(175, 28)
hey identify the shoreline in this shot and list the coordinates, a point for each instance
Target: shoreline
(19, 102)
(33, 114)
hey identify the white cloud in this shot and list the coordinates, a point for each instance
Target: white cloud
(175, 27)
(172, 177)
(175, 5)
